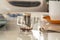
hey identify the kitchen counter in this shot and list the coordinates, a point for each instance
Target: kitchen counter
(8, 35)
(13, 32)
(13, 35)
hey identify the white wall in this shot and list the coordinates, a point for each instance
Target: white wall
(4, 6)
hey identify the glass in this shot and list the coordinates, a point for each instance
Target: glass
(24, 22)
(3, 21)
(35, 22)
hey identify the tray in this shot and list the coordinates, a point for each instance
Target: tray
(51, 21)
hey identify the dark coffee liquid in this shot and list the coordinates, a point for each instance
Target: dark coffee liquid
(26, 29)
(27, 20)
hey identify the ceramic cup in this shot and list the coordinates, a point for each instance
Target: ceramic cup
(54, 10)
